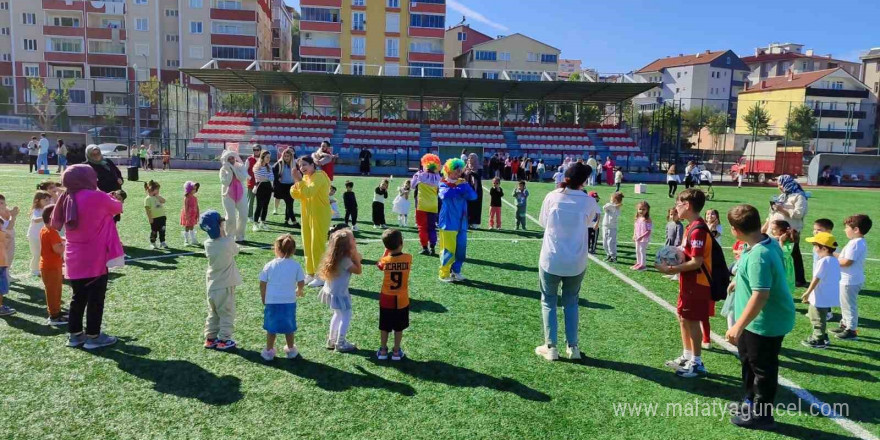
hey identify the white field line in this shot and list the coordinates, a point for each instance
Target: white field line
(852, 427)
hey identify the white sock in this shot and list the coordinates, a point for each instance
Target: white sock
(698, 359)
(186, 237)
(688, 354)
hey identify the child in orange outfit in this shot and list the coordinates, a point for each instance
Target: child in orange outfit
(51, 267)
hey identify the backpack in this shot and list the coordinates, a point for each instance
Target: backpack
(719, 274)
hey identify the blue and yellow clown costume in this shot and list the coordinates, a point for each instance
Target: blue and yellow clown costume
(455, 193)
(426, 183)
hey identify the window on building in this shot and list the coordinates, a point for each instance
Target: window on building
(4, 6)
(77, 96)
(357, 2)
(320, 14)
(392, 47)
(392, 69)
(358, 21)
(229, 4)
(108, 47)
(358, 46)
(392, 22)
(195, 27)
(426, 69)
(172, 38)
(728, 61)
(142, 24)
(107, 72)
(676, 90)
(197, 52)
(195, 4)
(140, 2)
(66, 21)
(171, 13)
(5, 31)
(427, 21)
(531, 56)
(436, 2)
(393, 3)
(66, 72)
(877, 85)
(233, 28)
(485, 55)
(678, 75)
(28, 18)
(172, 63)
(72, 45)
(462, 36)
(503, 56)
(490, 75)
(549, 58)
(31, 70)
(234, 52)
(358, 68)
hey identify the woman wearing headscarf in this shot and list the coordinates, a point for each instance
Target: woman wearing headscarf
(791, 206)
(109, 176)
(311, 187)
(93, 245)
(472, 175)
(233, 178)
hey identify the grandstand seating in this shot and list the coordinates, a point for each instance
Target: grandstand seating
(224, 127)
(486, 135)
(555, 138)
(389, 134)
(617, 139)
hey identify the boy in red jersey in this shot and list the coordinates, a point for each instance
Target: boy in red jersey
(394, 296)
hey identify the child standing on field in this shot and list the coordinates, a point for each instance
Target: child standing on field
(822, 294)
(7, 226)
(349, 201)
(340, 261)
(674, 228)
(154, 204)
(559, 176)
(496, 193)
(713, 221)
(609, 226)
(852, 279)
(642, 234)
(334, 207)
(51, 264)
(401, 203)
(379, 197)
(281, 283)
(189, 215)
(222, 278)
(782, 232)
(521, 194)
(41, 200)
(593, 230)
(394, 296)
(618, 177)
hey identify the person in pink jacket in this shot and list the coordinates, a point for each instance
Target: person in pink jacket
(93, 244)
(608, 166)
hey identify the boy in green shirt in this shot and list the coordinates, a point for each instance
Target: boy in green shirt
(765, 314)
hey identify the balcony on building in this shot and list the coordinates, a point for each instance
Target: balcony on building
(106, 33)
(320, 20)
(112, 7)
(837, 93)
(62, 5)
(321, 3)
(841, 134)
(842, 114)
(429, 6)
(421, 32)
(232, 10)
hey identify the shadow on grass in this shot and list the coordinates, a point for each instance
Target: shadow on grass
(504, 266)
(859, 408)
(872, 293)
(37, 328)
(807, 361)
(326, 377)
(455, 376)
(415, 305)
(174, 377)
(527, 293)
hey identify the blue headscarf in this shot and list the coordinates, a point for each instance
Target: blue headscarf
(789, 185)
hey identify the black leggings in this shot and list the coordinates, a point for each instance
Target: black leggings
(688, 182)
(673, 187)
(351, 214)
(798, 260)
(32, 163)
(88, 299)
(284, 191)
(264, 196)
(157, 228)
(378, 213)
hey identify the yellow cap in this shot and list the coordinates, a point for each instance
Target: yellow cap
(824, 239)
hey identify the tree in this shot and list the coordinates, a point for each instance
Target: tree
(574, 77)
(349, 108)
(757, 120)
(149, 90)
(590, 114)
(237, 102)
(488, 111)
(440, 111)
(108, 112)
(48, 104)
(393, 108)
(801, 124)
(694, 119)
(717, 124)
(4, 98)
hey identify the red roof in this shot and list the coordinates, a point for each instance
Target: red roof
(684, 60)
(796, 81)
(786, 56)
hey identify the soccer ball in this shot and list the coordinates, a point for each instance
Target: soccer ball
(670, 256)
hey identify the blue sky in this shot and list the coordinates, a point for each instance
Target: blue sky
(622, 35)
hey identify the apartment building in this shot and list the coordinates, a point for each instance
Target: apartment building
(372, 37)
(103, 45)
(567, 67)
(282, 33)
(840, 102)
(710, 78)
(512, 57)
(458, 40)
(776, 59)
(870, 75)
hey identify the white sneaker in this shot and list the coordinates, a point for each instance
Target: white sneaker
(309, 279)
(263, 226)
(267, 355)
(291, 352)
(164, 245)
(457, 277)
(255, 228)
(153, 246)
(354, 228)
(573, 352)
(317, 282)
(330, 344)
(547, 352)
(706, 345)
(345, 347)
(448, 279)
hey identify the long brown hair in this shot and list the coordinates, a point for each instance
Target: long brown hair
(647, 210)
(338, 248)
(671, 169)
(40, 195)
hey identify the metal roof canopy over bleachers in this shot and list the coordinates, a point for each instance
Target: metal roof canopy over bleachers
(248, 81)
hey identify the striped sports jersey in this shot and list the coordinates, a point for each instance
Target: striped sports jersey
(395, 284)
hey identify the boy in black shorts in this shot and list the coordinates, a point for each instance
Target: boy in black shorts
(394, 296)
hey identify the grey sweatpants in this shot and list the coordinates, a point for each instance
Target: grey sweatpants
(609, 242)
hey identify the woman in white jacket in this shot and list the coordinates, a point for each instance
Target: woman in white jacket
(233, 184)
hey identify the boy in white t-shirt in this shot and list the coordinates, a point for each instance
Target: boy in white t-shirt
(852, 279)
(822, 293)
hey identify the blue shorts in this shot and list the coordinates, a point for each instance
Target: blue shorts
(279, 318)
(4, 280)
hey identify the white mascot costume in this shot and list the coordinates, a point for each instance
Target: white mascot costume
(233, 187)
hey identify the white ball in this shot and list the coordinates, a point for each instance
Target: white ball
(670, 256)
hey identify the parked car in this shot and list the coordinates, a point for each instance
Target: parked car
(113, 151)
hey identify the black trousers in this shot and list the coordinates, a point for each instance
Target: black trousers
(264, 196)
(798, 260)
(32, 163)
(759, 356)
(378, 213)
(284, 192)
(673, 187)
(351, 214)
(592, 238)
(157, 228)
(88, 299)
(618, 187)
(688, 182)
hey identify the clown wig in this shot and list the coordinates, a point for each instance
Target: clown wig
(452, 165)
(431, 163)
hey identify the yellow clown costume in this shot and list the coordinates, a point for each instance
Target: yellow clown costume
(313, 192)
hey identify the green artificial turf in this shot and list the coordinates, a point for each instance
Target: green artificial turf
(471, 371)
